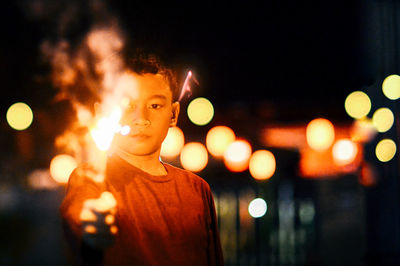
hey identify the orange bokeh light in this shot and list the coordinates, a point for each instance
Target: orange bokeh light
(218, 139)
(320, 134)
(344, 151)
(173, 143)
(194, 156)
(237, 155)
(61, 167)
(262, 164)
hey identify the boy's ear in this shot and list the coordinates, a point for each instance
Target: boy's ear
(175, 114)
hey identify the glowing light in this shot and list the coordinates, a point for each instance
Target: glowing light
(186, 86)
(114, 229)
(385, 150)
(173, 143)
(109, 219)
(357, 104)
(125, 130)
(391, 87)
(218, 139)
(61, 167)
(200, 111)
(363, 130)
(262, 164)
(87, 215)
(344, 151)
(194, 156)
(320, 134)
(90, 229)
(237, 155)
(383, 119)
(257, 208)
(105, 129)
(19, 116)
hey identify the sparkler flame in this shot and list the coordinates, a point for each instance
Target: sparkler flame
(103, 132)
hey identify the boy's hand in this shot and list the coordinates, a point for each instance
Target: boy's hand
(98, 221)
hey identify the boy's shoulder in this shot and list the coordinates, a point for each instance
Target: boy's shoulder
(182, 173)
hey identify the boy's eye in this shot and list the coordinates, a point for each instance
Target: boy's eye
(155, 106)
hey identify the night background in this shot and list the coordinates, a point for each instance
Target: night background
(263, 65)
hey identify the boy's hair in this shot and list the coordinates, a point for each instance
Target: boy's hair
(142, 63)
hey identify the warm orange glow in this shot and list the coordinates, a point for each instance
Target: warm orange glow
(200, 111)
(61, 167)
(19, 116)
(218, 139)
(262, 164)
(90, 229)
(357, 104)
(237, 155)
(194, 156)
(105, 129)
(320, 134)
(87, 215)
(368, 176)
(363, 130)
(114, 229)
(105, 203)
(391, 87)
(109, 219)
(173, 143)
(344, 151)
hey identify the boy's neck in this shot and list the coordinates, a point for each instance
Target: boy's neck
(149, 163)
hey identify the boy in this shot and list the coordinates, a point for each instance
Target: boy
(164, 215)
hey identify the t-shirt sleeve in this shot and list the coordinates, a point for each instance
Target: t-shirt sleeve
(215, 256)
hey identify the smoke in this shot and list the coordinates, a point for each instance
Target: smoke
(83, 45)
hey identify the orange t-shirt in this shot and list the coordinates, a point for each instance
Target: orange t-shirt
(162, 220)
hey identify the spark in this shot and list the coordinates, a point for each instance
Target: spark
(186, 84)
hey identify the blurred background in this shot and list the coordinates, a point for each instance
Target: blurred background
(292, 118)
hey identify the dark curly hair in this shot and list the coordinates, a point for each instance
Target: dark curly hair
(142, 63)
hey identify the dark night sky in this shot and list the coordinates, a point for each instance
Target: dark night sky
(288, 52)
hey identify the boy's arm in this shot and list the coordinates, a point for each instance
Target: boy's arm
(80, 188)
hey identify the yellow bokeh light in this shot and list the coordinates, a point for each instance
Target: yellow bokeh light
(19, 116)
(391, 87)
(257, 208)
(262, 164)
(173, 143)
(218, 139)
(61, 167)
(385, 150)
(320, 134)
(344, 151)
(237, 155)
(194, 156)
(357, 104)
(383, 119)
(200, 111)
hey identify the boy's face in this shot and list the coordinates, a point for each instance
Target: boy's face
(149, 114)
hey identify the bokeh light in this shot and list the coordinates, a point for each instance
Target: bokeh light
(61, 167)
(363, 130)
(262, 164)
(194, 156)
(237, 155)
(257, 208)
(391, 87)
(383, 119)
(385, 150)
(218, 139)
(320, 134)
(19, 116)
(357, 104)
(173, 143)
(344, 151)
(200, 111)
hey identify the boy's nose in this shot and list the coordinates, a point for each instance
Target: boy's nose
(141, 118)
